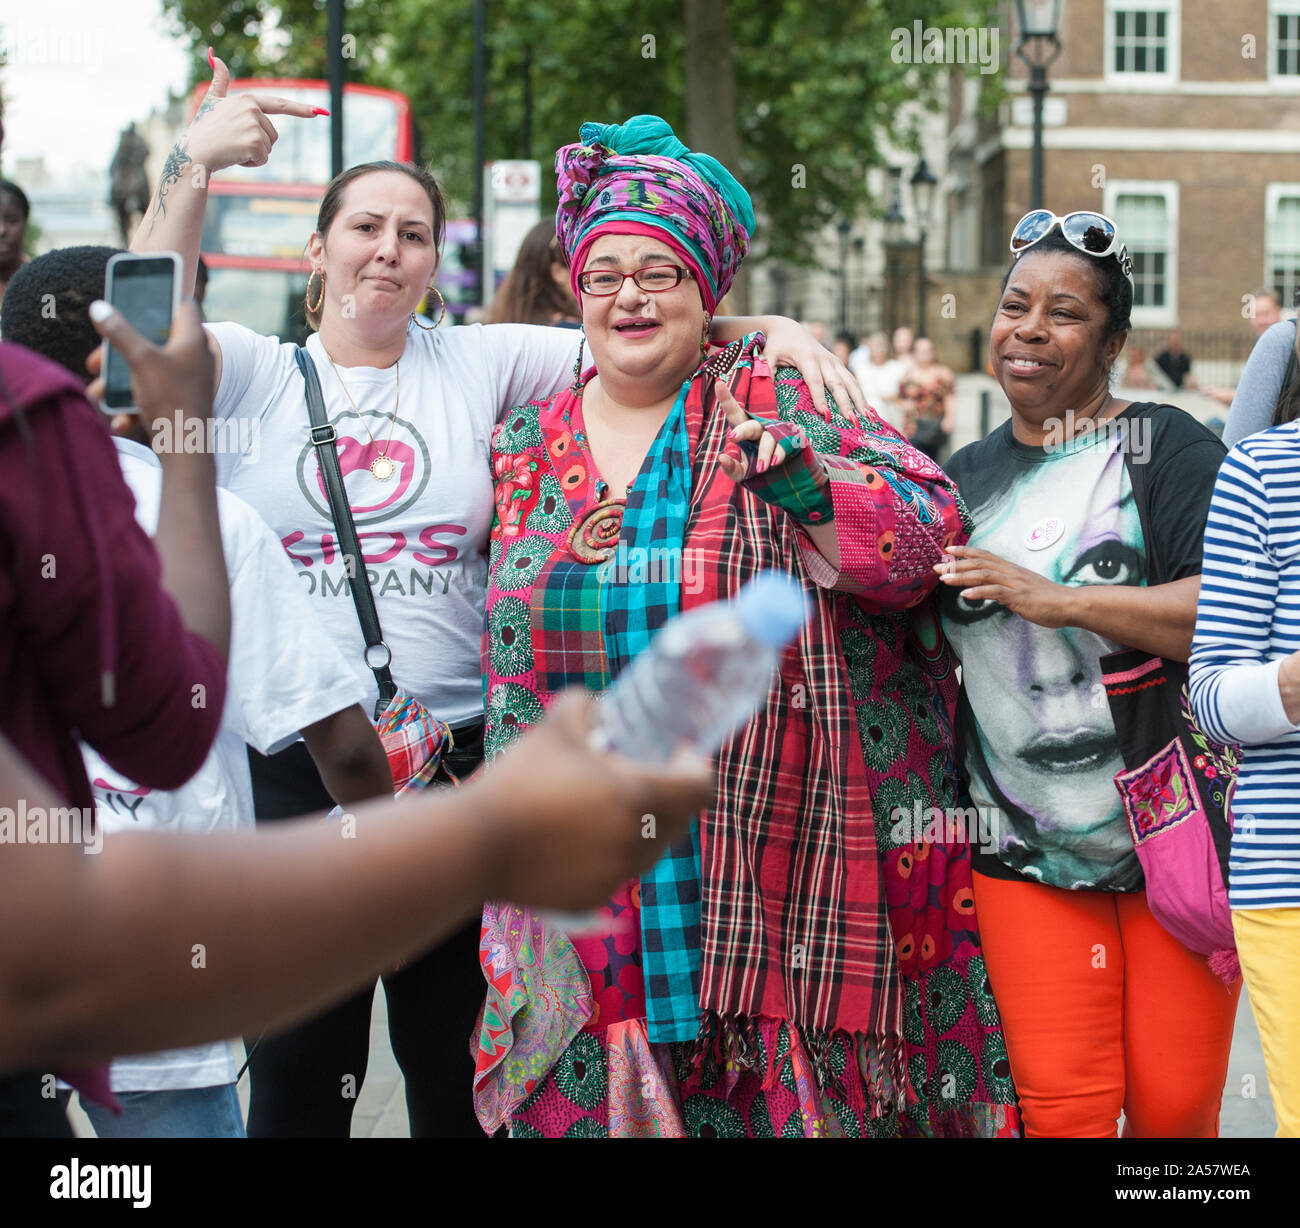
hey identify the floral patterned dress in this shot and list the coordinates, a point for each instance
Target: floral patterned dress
(563, 1049)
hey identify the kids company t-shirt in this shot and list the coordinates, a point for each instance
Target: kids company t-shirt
(423, 530)
(283, 673)
(1035, 735)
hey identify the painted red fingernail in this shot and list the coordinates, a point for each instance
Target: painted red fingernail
(761, 466)
(211, 59)
(319, 111)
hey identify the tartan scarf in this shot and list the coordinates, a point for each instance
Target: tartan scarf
(654, 525)
(793, 806)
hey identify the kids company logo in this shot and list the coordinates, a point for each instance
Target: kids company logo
(371, 498)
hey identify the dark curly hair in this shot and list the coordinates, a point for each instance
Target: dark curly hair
(1114, 290)
(45, 305)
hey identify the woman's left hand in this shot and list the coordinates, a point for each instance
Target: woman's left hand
(982, 576)
(745, 429)
(789, 344)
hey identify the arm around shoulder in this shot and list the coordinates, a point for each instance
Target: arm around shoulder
(1260, 383)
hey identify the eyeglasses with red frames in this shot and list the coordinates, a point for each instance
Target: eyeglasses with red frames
(654, 279)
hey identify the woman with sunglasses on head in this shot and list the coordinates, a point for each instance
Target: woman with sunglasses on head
(1104, 1010)
(809, 964)
(412, 410)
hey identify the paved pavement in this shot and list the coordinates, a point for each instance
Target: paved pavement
(1247, 1109)
(381, 1107)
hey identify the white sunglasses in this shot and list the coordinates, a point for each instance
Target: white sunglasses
(1094, 234)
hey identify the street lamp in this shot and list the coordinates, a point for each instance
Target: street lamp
(780, 279)
(894, 225)
(923, 185)
(844, 226)
(894, 219)
(1038, 46)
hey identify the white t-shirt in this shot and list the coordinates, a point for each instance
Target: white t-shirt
(284, 672)
(880, 386)
(424, 532)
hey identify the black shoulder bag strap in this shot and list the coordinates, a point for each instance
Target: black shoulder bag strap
(1137, 476)
(323, 436)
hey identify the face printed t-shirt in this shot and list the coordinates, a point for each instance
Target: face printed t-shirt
(424, 531)
(1037, 741)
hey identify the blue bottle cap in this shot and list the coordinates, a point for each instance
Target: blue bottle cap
(772, 607)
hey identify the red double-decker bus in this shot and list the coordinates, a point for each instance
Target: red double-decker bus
(259, 218)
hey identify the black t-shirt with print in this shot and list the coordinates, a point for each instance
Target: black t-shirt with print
(1093, 522)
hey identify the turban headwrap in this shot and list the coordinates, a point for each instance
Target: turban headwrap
(638, 178)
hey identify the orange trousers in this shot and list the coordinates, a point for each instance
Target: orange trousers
(1104, 1011)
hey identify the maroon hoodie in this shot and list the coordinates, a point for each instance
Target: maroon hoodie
(91, 646)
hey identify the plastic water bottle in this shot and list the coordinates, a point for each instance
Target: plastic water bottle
(703, 676)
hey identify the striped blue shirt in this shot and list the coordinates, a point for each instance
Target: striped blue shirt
(1247, 622)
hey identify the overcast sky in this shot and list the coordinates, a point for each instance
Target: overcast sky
(77, 72)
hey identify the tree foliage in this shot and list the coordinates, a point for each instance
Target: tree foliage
(817, 91)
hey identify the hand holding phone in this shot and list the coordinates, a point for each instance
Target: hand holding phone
(178, 376)
(146, 291)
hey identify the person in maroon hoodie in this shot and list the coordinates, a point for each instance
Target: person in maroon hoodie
(295, 918)
(101, 633)
(102, 636)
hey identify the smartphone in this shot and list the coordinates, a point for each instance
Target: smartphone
(147, 291)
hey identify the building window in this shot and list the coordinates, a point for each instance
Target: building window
(1141, 45)
(1284, 54)
(1282, 240)
(1288, 44)
(1147, 217)
(1141, 40)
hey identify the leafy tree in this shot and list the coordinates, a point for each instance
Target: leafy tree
(797, 95)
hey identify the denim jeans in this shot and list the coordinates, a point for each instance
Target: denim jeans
(196, 1112)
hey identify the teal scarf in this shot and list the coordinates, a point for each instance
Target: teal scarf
(654, 529)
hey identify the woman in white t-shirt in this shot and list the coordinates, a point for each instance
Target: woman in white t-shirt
(414, 411)
(880, 377)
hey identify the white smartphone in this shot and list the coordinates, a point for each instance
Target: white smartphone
(147, 291)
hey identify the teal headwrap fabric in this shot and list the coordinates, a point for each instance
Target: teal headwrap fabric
(638, 172)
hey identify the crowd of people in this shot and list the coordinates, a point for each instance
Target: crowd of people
(917, 893)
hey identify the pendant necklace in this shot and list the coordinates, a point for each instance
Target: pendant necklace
(382, 467)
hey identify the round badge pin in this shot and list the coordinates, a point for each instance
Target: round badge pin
(1045, 533)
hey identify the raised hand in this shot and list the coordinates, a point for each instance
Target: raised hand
(235, 131)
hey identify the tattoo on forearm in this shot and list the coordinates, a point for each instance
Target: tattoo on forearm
(209, 103)
(172, 170)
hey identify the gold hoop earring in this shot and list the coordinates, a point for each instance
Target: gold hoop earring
(306, 298)
(442, 302)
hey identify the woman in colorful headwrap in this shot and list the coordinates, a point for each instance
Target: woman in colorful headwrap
(766, 978)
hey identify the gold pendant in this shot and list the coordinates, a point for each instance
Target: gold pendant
(382, 468)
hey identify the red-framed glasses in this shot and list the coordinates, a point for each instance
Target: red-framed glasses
(654, 279)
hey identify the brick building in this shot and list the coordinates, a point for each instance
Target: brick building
(1178, 118)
